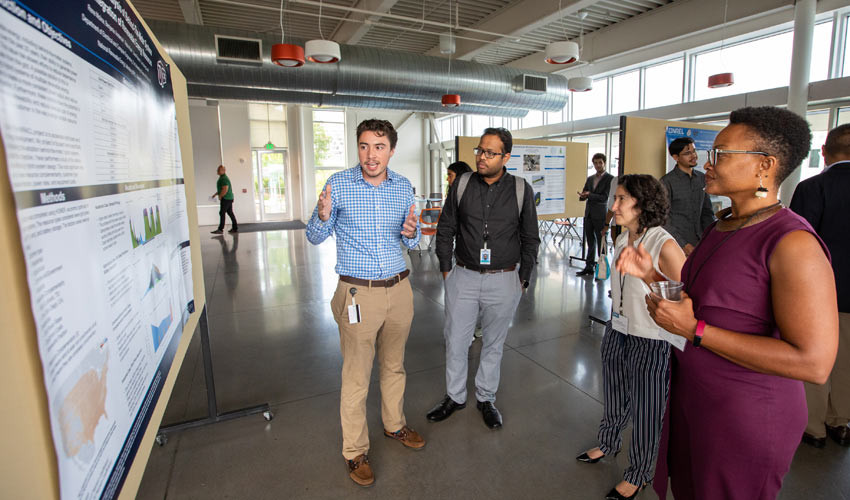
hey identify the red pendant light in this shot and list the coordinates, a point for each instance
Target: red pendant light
(720, 80)
(287, 55)
(451, 100)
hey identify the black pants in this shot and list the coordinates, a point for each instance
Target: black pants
(593, 237)
(226, 208)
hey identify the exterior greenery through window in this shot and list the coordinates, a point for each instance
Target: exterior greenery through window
(328, 145)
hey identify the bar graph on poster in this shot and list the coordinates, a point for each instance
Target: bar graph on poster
(88, 121)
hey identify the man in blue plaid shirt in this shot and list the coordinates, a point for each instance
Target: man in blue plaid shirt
(370, 210)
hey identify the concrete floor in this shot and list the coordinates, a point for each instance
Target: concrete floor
(274, 340)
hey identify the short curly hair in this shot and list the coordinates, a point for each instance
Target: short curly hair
(777, 132)
(650, 198)
(381, 128)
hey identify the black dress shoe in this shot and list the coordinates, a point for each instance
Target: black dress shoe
(840, 435)
(584, 457)
(444, 409)
(491, 414)
(813, 441)
(615, 495)
(585, 272)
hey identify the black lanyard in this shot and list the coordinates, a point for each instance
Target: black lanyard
(623, 275)
(691, 281)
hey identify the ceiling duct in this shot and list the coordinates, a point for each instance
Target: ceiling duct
(364, 77)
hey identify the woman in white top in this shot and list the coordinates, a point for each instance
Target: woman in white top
(635, 361)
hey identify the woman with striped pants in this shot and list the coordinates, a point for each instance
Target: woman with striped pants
(635, 360)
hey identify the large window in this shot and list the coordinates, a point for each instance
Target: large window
(663, 84)
(760, 64)
(596, 144)
(479, 123)
(533, 119)
(267, 124)
(591, 103)
(625, 92)
(553, 117)
(843, 116)
(328, 144)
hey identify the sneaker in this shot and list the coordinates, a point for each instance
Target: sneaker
(360, 471)
(407, 437)
(234, 230)
(217, 231)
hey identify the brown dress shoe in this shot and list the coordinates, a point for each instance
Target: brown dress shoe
(360, 471)
(407, 437)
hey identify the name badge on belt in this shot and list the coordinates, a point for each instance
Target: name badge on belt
(354, 308)
(620, 322)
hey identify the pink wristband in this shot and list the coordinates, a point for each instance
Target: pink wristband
(699, 332)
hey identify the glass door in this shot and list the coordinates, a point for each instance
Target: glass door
(271, 179)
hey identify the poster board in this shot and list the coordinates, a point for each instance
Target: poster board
(556, 171)
(643, 144)
(30, 464)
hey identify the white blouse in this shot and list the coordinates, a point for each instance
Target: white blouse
(634, 289)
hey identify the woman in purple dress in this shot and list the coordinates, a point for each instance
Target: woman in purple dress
(761, 313)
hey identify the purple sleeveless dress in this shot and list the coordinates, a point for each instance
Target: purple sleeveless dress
(731, 432)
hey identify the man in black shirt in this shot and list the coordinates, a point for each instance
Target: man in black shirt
(491, 233)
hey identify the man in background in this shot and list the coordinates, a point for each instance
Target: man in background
(597, 192)
(224, 191)
(690, 206)
(824, 201)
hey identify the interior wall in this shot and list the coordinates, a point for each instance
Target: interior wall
(206, 151)
(236, 157)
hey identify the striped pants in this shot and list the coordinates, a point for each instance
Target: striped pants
(635, 379)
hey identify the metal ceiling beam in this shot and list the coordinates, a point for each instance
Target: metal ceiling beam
(191, 11)
(352, 32)
(515, 21)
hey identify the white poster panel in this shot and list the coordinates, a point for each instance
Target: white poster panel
(544, 167)
(88, 121)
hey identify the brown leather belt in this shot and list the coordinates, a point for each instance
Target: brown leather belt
(378, 283)
(489, 271)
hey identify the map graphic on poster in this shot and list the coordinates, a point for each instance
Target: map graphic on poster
(94, 162)
(544, 167)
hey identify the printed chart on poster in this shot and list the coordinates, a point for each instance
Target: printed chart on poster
(88, 121)
(544, 167)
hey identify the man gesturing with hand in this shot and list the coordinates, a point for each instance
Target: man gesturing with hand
(370, 210)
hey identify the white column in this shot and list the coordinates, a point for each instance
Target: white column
(467, 127)
(798, 89)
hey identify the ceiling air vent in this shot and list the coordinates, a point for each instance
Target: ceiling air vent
(233, 49)
(533, 84)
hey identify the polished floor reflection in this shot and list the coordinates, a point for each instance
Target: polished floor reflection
(274, 340)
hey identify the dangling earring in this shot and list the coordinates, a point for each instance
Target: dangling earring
(762, 191)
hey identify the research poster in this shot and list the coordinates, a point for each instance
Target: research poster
(544, 167)
(88, 121)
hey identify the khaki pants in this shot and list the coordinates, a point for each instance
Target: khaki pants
(386, 315)
(830, 403)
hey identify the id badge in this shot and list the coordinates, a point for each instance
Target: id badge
(354, 313)
(676, 341)
(620, 322)
(485, 257)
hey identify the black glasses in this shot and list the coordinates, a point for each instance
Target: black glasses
(713, 152)
(487, 154)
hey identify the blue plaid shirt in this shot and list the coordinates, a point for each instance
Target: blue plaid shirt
(367, 221)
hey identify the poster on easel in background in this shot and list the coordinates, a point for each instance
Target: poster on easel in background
(88, 121)
(544, 167)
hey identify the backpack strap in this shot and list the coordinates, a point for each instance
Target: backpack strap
(461, 185)
(519, 184)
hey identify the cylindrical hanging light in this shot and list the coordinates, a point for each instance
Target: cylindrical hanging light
(451, 100)
(288, 55)
(562, 53)
(322, 51)
(580, 84)
(720, 80)
(447, 43)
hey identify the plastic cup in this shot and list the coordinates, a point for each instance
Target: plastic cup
(667, 290)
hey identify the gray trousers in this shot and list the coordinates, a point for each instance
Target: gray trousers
(496, 297)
